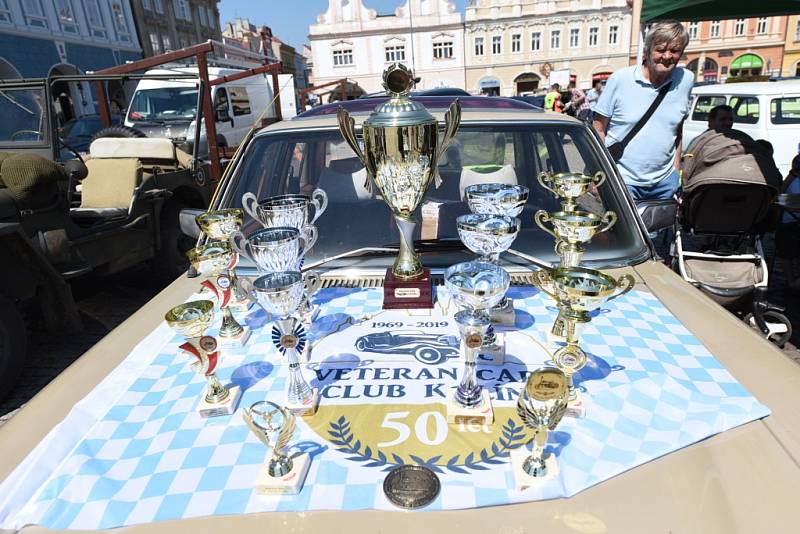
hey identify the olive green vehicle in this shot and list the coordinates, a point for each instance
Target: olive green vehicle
(64, 215)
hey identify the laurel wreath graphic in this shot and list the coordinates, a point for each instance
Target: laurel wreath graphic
(342, 437)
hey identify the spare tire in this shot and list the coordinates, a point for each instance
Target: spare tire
(119, 131)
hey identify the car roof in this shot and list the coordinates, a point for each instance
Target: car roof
(749, 88)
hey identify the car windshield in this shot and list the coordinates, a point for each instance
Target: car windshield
(163, 104)
(21, 110)
(301, 161)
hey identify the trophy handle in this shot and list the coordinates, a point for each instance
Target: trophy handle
(610, 219)
(599, 178)
(347, 126)
(540, 278)
(544, 179)
(541, 217)
(250, 205)
(312, 282)
(626, 283)
(452, 119)
(309, 235)
(319, 199)
(241, 244)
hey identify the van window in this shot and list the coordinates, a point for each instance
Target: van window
(785, 110)
(221, 100)
(745, 109)
(240, 101)
(704, 104)
(163, 104)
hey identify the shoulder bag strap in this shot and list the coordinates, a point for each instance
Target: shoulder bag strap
(647, 114)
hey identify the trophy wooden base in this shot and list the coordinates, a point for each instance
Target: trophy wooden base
(407, 294)
(226, 407)
(505, 316)
(307, 409)
(481, 415)
(576, 407)
(239, 340)
(494, 354)
(523, 480)
(290, 483)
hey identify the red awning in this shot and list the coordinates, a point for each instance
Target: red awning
(601, 76)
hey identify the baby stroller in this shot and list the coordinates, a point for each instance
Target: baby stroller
(728, 188)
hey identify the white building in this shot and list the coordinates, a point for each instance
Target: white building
(352, 41)
(513, 45)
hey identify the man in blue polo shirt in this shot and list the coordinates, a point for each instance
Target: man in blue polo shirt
(650, 162)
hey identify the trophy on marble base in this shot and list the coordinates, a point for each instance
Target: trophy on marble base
(469, 402)
(221, 225)
(402, 146)
(283, 474)
(216, 259)
(281, 295)
(541, 405)
(190, 320)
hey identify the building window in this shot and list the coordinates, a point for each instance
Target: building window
(536, 41)
(555, 39)
(147, 5)
(95, 18)
(5, 11)
(34, 13)
(66, 16)
(516, 43)
(182, 9)
(120, 22)
(761, 26)
(443, 50)
(396, 53)
(613, 34)
(593, 33)
(693, 30)
(738, 28)
(714, 31)
(479, 46)
(167, 43)
(201, 13)
(497, 44)
(343, 57)
(159, 5)
(212, 19)
(574, 37)
(155, 44)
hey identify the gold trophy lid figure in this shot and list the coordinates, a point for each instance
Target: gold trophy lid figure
(401, 150)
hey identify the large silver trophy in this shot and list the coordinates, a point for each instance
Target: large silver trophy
(401, 149)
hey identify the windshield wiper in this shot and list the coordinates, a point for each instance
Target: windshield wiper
(364, 251)
(16, 102)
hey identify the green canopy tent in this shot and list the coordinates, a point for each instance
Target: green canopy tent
(695, 10)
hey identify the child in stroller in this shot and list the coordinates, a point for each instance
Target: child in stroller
(729, 184)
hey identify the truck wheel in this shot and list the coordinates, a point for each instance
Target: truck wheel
(119, 131)
(13, 345)
(171, 261)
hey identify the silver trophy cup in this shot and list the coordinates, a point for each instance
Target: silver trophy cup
(286, 210)
(275, 250)
(496, 199)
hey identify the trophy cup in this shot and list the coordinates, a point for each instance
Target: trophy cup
(284, 474)
(275, 250)
(541, 405)
(221, 225)
(496, 199)
(401, 150)
(286, 210)
(191, 320)
(281, 294)
(572, 230)
(579, 292)
(570, 185)
(216, 259)
(475, 286)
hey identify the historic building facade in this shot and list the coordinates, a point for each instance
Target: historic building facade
(354, 42)
(513, 45)
(166, 25)
(791, 50)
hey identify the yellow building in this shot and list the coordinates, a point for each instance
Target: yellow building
(791, 51)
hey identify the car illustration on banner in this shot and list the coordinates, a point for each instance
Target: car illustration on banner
(431, 349)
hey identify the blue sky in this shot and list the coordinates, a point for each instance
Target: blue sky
(289, 19)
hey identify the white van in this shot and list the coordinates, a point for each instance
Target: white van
(763, 110)
(167, 108)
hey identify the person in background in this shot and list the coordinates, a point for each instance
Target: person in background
(551, 97)
(592, 96)
(787, 236)
(577, 102)
(649, 163)
(720, 118)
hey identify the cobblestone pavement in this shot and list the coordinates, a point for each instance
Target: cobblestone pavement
(106, 302)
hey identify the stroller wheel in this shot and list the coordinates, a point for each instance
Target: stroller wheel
(780, 328)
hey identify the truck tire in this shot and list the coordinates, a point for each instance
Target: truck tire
(13, 345)
(119, 131)
(171, 261)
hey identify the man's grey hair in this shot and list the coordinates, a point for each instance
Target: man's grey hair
(665, 31)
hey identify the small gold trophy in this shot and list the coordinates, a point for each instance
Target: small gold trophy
(216, 259)
(541, 405)
(191, 320)
(569, 186)
(221, 225)
(284, 474)
(573, 230)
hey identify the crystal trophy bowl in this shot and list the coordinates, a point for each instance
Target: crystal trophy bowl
(487, 235)
(476, 285)
(496, 199)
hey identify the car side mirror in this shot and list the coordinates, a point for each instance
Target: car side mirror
(657, 215)
(76, 170)
(188, 223)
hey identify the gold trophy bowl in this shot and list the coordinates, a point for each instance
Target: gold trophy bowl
(570, 185)
(575, 226)
(221, 224)
(212, 258)
(582, 290)
(192, 318)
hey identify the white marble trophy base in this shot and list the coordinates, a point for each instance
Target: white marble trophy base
(494, 354)
(290, 483)
(482, 414)
(505, 316)
(236, 341)
(576, 407)
(523, 480)
(226, 407)
(304, 410)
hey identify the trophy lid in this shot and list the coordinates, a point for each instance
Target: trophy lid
(399, 110)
